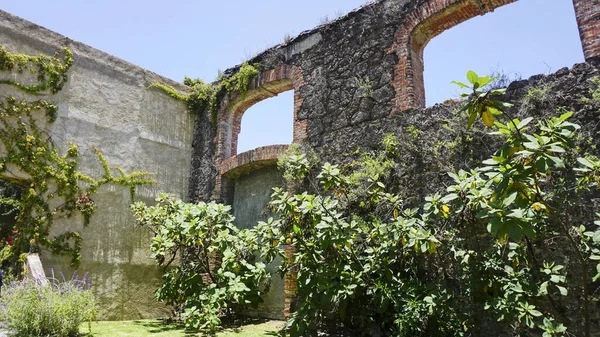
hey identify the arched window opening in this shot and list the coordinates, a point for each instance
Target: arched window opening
(517, 40)
(268, 122)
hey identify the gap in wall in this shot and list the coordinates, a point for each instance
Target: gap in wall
(269, 122)
(521, 39)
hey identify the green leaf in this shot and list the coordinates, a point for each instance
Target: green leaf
(514, 231)
(297, 230)
(472, 117)
(524, 122)
(585, 162)
(528, 230)
(491, 161)
(565, 116)
(558, 163)
(460, 84)
(510, 199)
(472, 77)
(555, 279)
(484, 80)
(449, 197)
(516, 213)
(494, 225)
(596, 237)
(535, 313)
(563, 291)
(488, 117)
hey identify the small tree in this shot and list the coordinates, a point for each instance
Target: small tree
(217, 274)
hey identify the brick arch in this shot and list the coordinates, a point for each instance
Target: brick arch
(423, 23)
(248, 161)
(266, 85)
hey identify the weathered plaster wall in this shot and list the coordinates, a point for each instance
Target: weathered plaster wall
(106, 103)
(252, 194)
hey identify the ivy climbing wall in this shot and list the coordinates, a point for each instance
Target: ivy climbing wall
(106, 103)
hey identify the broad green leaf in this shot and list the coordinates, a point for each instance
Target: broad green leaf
(297, 229)
(510, 199)
(494, 225)
(563, 290)
(565, 116)
(585, 162)
(449, 197)
(535, 313)
(514, 231)
(558, 163)
(528, 230)
(484, 80)
(516, 213)
(472, 77)
(596, 237)
(472, 117)
(524, 122)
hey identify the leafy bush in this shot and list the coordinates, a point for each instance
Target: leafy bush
(28, 308)
(218, 274)
(502, 249)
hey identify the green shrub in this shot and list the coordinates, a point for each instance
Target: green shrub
(28, 308)
(501, 252)
(219, 274)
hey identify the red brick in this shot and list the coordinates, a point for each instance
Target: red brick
(267, 84)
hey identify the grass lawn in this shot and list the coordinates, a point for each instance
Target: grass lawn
(157, 328)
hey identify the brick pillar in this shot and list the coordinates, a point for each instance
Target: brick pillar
(587, 13)
(290, 285)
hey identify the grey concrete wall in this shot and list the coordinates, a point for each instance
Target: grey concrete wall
(106, 103)
(252, 194)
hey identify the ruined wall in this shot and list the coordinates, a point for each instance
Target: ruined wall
(360, 68)
(354, 80)
(106, 103)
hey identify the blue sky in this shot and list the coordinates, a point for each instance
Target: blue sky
(197, 38)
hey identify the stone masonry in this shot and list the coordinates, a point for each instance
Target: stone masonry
(361, 67)
(346, 74)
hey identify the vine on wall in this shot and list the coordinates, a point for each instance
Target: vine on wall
(204, 96)
(51, 185)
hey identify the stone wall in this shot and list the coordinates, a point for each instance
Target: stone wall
(354, 79)
(106, 103)
(360, 68)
